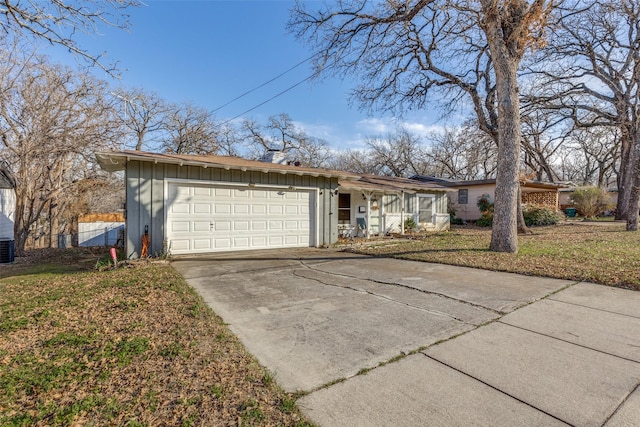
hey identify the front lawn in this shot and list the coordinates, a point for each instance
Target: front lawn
(599, 253)
(134, 346)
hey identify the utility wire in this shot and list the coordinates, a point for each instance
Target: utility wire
(264, 84)
(268, 100)
(309, 77)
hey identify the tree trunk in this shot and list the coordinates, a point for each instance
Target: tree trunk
(634, 193)
(53, 227)
(522, 226)
(625, 178)
(504, 235)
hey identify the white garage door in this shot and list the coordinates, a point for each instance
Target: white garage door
(204, 218)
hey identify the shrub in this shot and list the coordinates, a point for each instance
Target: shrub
(453, 219)
(486, 220)
(540, 215)
(484, 203)
(486, 207)
(590, 201)
(409, 224)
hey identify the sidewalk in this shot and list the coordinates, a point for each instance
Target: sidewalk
(570, 359)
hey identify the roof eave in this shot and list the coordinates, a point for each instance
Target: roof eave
(113, 162)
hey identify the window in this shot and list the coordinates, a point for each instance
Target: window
(344, 208)
(463, 196)
(425, 209)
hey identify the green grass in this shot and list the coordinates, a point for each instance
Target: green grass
(596, 253)
(133, 346)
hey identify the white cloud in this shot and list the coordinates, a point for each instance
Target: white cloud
(375, 126)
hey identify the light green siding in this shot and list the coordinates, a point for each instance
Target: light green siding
(145, 183)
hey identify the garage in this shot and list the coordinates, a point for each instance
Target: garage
(204, 218)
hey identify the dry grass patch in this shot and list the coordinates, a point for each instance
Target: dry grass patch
(134, 346)
(599, 253)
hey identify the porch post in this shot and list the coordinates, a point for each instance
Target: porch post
(382, 220)
(402, 213)
(368, 197)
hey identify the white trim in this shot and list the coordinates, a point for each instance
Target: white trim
(316, 199)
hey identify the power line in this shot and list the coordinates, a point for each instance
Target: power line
(268, 100)
(264, 84)
(309, 77)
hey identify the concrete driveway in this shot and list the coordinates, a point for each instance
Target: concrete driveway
(374, 341)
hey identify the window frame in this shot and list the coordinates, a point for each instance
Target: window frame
(461, 192)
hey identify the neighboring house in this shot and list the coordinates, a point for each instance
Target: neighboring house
(200, 204)
(102, 229)
(7, 213)
(464, 202)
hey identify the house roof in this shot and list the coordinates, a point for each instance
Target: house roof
(116, 161)
(391, 184)
(469, 183)
(6, 177)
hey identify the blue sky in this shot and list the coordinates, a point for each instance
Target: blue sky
(210, 51)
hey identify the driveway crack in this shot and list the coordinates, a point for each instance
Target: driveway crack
(400, 285)
(352, 288)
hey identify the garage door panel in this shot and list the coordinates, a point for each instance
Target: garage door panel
(222, 226)
(275, 225)
(180, 226)
(276, 241)
(201, 208)
(259, 225)
(222, 208)
(180, 208)
(201, 244)
(241, 242)
(222, 243)
(292, 225)
(180, 245)
(201, 226)
(241, 225)
(241, 209)
(202, 218)
(275, 209)
(202, 191)
(291, 210)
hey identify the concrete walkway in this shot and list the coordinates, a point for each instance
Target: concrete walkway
(379, 342)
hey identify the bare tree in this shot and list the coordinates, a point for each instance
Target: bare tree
(405, 52)
(463, 153)
(144, 115)
(58, 21)
(52, 119)
(543, 133)
(600, 149)
(356, 161)
(190, 130)
(281, 133)
(398, 154)
(591, 74)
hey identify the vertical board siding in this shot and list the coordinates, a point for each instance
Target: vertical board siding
(146, 198)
